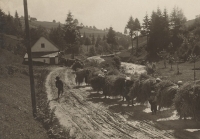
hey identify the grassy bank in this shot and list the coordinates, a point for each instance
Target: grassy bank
(185, 69)
(44, 114)
(17, 121)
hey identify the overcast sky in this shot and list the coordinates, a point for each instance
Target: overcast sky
(100, 13)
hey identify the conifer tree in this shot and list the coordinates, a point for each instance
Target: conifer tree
(159, 33)
(2, 21)
(87, 42)
(56, 36)
(131, 27)
(93, 39)
(166, 31)
(97, 41)
(137, 29)
(104, 37)
(111, 38)
(177, 21)
(71, 33)
(18, 25)
(146, 26)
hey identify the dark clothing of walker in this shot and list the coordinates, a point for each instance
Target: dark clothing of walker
(59, 85)
(153, 103)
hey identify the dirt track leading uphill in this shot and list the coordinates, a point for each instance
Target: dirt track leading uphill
(86, 114)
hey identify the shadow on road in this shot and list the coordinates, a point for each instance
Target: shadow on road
(98, 97)
(78, 87)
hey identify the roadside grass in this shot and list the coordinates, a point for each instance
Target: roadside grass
(16, 116)
(17, 121)
(44, 114)
(185, 69)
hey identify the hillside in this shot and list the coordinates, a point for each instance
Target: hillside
(16, 111)
(12, 50)
(49, 25)
(126, 55)
(189, 22)
(7, 57)
(88, 31)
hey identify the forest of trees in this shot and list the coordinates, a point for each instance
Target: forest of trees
(10, 25)
(168, 32)
(66, 37)
(163, 31)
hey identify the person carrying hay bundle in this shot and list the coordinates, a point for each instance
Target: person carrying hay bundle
(179, 83)
(166, 91)
(187, 100)
(153, 102)
(59, 85)
(127, 86)
(97, 83)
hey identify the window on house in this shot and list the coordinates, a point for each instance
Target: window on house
(42, 45)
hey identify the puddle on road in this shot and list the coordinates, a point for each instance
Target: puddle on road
(192, 130)
(173, 117)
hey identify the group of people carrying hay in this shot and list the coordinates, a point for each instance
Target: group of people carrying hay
(141, 89)
(159, 93)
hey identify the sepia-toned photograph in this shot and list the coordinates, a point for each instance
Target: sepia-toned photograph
(99, 69)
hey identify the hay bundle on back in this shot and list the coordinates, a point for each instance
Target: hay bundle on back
(135, 89)
(77, 65)
(119, 85)
(164, 84)
(141, 88)
(114, 85)
(187, 100)
(145, 90)
(94, 72)
(166, 91)
(166, 96)
(144, 76)
(97, 83)
(80, 75)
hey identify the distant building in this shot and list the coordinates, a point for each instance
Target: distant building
(44, 51)
(33, 19)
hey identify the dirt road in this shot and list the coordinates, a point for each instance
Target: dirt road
(86, 114)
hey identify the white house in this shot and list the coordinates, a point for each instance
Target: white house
(44, 51)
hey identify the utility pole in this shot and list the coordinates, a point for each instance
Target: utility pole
(29, 59)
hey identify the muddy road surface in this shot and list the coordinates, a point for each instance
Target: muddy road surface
(86, 114)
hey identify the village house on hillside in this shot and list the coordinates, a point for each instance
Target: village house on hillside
(44, 51)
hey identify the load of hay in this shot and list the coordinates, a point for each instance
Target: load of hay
(141, 88)
(166, 91)
(94, 72)
(145, 90)
(96, 78)
(80, 75)
(114, 85)
(97, 83)
(187, 100)
(77, 65)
